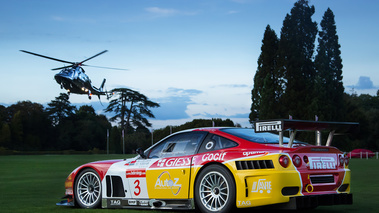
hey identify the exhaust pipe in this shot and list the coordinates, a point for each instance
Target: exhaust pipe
(157, 203)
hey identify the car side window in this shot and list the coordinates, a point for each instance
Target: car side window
(178, 145)
(216, 142)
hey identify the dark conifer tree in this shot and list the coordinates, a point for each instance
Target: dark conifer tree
(267, 81)
(296, 48)
(60, 108)
(328, 65)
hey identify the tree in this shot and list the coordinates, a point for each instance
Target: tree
(296, 48)
(60, 108)
(5, 131)
(90, 129)
(5, 136)
(29, 126)
(267, 80)
(130, 107)
(328, 64)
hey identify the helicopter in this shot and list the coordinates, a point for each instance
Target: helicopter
(73, 78)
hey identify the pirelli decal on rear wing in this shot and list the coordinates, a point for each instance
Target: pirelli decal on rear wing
(293, 126)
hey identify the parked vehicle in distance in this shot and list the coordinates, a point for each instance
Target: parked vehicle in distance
(217, 169)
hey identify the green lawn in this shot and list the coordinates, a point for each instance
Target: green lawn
(34, 183)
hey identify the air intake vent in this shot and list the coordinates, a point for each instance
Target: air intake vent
(322, 179)
(254, 164)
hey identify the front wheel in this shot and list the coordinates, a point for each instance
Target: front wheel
(88, 189)
(215, 190)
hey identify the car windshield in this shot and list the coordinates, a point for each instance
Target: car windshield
(250, 135)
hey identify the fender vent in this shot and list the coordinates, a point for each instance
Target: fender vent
(115, 187)
(254, 164)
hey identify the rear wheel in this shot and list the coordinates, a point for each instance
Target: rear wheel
(215, 190)
(88, 189)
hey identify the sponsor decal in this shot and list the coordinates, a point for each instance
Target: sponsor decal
(209, 145)
(69, 191)
(136, 173)
(132, 202)
(164, 181)
(262, 185)
(254, 153)
(322, 163)
(244, 203)
(131, 163)
(214, 156)
(115, 202)
(143, 202)
(268, 126)
(174, 162)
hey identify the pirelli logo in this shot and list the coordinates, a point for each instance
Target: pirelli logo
(268, 126)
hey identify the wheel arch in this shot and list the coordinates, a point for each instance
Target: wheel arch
(77, 172)
(205, 166)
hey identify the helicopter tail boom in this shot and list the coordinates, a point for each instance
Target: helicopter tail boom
(102, 85)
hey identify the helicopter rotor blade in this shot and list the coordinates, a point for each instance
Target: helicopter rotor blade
(59, 68)
(43, 56)
(81, 63)
(110, 68)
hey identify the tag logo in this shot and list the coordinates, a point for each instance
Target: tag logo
(115, 202)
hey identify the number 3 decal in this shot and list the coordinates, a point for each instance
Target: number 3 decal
(137, 190)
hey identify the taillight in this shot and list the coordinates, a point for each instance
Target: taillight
(284, 161)
(342, 160)
(296, 159)
(306, 160)
(347, 160)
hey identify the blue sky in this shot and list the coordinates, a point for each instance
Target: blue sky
(196, 58)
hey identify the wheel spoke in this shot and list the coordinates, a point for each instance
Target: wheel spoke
(88, 189)
(214, 191)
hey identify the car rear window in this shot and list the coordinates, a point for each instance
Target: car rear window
(250, 135)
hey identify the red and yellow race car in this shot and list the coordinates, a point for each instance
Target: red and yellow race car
(217, 169)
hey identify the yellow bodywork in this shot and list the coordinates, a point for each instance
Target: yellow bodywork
(261, 186)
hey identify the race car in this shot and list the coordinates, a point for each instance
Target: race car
(216, 169)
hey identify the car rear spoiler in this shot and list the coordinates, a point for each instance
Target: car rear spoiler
(281, 125)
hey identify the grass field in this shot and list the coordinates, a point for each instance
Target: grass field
(35, 183)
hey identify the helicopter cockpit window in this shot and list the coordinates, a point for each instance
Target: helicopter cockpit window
(83, 76)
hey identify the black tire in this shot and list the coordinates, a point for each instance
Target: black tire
(215, 190)
(87, 190)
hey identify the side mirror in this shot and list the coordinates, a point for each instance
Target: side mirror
(141, 153)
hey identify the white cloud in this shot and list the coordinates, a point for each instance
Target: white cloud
(164, 12)
(161, 11)
(232, 12)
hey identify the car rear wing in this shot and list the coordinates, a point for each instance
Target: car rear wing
(281, 125)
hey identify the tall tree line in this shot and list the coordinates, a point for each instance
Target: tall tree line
(27, 126)
(295, 78)
(291, 79)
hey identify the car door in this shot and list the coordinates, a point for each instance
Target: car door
(169, 176)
